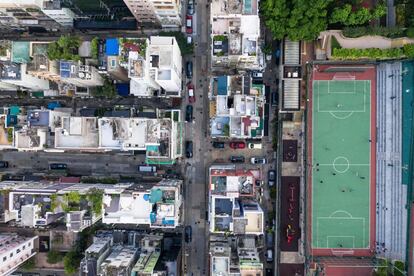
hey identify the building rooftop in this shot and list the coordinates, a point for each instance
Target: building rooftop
(9, 71)
(77, 132)
(9, 241)
(20, 51)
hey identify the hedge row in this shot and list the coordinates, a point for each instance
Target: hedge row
(374, 53)
(392, 32)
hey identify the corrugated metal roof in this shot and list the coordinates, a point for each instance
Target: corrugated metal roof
(291, 94)
(291, 52)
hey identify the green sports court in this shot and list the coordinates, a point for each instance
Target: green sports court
(340, 168)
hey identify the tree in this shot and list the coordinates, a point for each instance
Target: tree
(295, 19)
(107, 90)
(66, 48)
(71, 262)
(340, 14)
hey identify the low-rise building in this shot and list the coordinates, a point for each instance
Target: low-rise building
(38, 204)
(238, 256)
(236, 107)
(95, 254)
(119, 262)
(232, 205)
(157, 70)
(235, 35)
(14, 251)
(156, 205)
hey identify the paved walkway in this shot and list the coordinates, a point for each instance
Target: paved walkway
(372, 41)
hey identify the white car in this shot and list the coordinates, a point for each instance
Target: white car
(254, 146)
(258, 160)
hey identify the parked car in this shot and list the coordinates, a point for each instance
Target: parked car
(189, 113)
(189, 24)
(189, 39)
(190, 7)
(189, 69)
(269, 255)
(237, 159)
(271, 177)
(191, 97)
(269, 272)
(4, 164)
(58, 166)
(189, 149)
(258, 160)
(147, 169)
(275, 98)
(269, 240)
(255, 146)
(188, 234)
(218, 145)
(237, 145)
(257, 75)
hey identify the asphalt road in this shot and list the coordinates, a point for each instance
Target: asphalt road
(195, 169)
(99, 164)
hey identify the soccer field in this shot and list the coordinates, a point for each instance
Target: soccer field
(341, 142)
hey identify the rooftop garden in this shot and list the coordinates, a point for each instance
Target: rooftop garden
(132, 45)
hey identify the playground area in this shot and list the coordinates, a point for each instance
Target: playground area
(340, 166)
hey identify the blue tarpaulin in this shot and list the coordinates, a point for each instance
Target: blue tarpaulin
(122, 89)
(112, 47)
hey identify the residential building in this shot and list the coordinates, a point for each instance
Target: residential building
(156, 70)
(235, 35)
(164, 14)
(58, 12)
(95, 254)
(34, 204)
(155, 254)
(19, 14)
(160, 138)
(235, 256)
(236, 107)
(232, 205)
(120, 261)
(79, 74)
(14, 251)
(157, 205)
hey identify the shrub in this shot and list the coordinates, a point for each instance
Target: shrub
(410, 32)
(10, 135)
(94, 47)
(399, 268)
(409, 50)
(371, 53)
(370, 30)
(71, 262)
(334, 44)
(54, 257)
(29, 264)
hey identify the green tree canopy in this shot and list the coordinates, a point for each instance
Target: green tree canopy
(305, 19)
(71, 262)
(66, 48)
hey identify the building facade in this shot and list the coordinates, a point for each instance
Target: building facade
(165, 14)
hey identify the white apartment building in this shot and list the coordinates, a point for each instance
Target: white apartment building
(14, 251)
(159, 72)
(166, 13)
(13, 11)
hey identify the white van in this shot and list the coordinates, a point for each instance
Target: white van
(254, 145)
(269, 256)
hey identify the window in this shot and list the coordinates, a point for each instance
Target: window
(4, 259)
(18, 251)
(11, 254)
(24, 246)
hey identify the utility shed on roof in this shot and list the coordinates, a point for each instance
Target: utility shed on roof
(112, 47)
(291, 95)
(291, 52)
